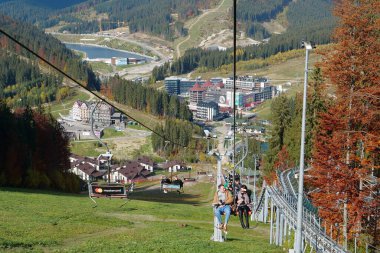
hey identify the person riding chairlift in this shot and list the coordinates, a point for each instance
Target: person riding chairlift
(244, 206)
(222, 201)
(164, 180)
(179, 182)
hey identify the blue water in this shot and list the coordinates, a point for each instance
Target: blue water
(94, 52)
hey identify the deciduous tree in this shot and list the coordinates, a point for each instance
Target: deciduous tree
(346, 150)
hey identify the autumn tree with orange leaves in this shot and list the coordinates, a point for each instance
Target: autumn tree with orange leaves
(346, 153)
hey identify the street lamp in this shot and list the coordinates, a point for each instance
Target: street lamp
(298, 242)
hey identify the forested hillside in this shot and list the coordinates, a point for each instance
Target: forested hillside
(21, 80)
(302, 16)
(22, 83)
(164, 18)
(146, 99)
(181, 132)
(35, 12)
(48, 4)
(34, 151)
(251, 13)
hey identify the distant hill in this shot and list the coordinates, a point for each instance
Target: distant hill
(48, 4)
(305, 15)
(164, 18)
(309, 20)
(36, 12)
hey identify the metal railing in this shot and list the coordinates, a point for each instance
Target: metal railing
(284, 198)
(311, 229)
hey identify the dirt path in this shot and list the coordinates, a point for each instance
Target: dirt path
(195, 22)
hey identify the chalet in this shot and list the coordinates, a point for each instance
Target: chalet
(174, 166)
(147, 163)
(91, 161)
(86, 171)
(85, 168)
(90, 169)
(75, 160)
(130, 172)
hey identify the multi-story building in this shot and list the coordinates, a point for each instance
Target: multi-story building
(196, 94)
(172, 85)
(102, 113)
(175, 85)
(249, 99)
(80, 111)
(245, 82)
(216, 80)
(185, 85)
(217, 96)
(238, 98)
(207, 110)
(268, 92)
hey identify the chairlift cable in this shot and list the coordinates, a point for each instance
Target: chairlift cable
(84, 87)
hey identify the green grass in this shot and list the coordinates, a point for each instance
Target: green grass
(87, 148)
(105, 68)
(263, 110)
(111, 132)
(101, 67)
(145, 149)
(66, 105)
(137, 127)
(38, 221)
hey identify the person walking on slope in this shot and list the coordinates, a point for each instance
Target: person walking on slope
(221, 202)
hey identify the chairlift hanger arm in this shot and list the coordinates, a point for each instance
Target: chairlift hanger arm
(92, 126)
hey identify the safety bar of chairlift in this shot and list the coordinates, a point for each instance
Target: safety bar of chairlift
(171, 186)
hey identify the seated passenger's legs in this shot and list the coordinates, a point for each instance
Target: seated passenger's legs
(218, 214)
(227, 213)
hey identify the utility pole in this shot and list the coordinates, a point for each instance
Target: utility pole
(298, 238)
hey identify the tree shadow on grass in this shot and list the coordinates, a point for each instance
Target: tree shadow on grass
(42, 191)
(233, 239)
(156, 195)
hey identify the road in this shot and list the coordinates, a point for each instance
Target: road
(140, 70)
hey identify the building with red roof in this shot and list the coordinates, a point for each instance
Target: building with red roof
(196, 93)
(207, 85)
